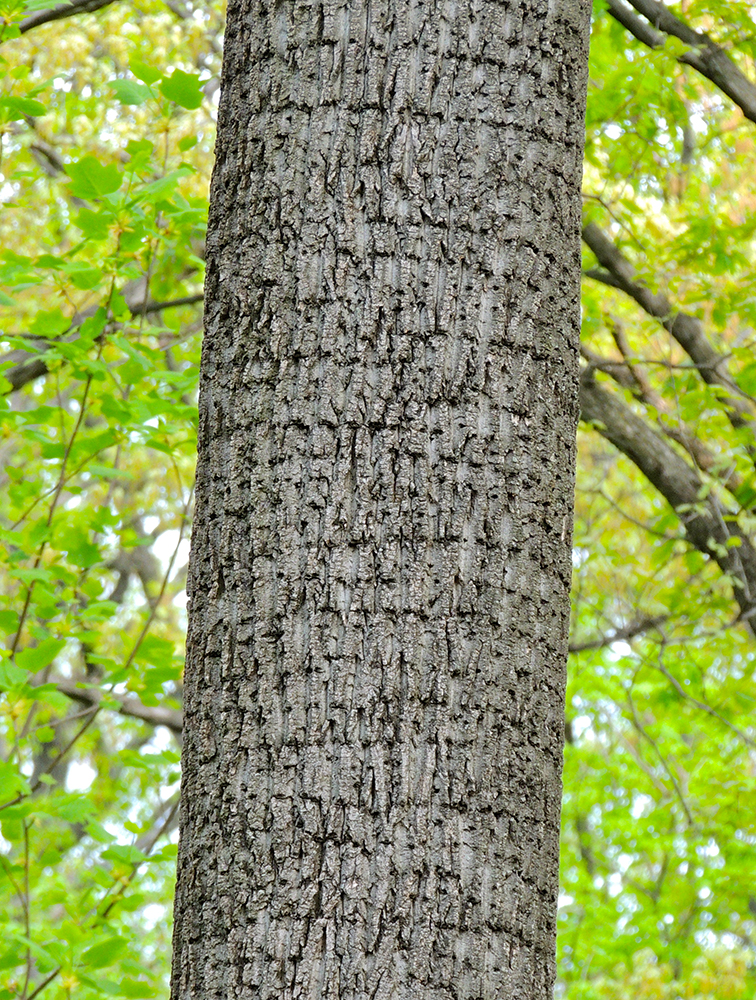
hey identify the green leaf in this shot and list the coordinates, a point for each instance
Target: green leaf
(156, 651)
(94, 225)
(92, 327)
(129, 92)
(137, 989)
(92, 179)
(12, 782)
(49, 323)
(157, 190)
(14, 956)
(37, 657)
(132, 239)
(142, 71)
(80, 550)
(124, 988)
(21, 107)
(85, 277)
(74, 808)
(30, 5)
(11, 676)
(140, 154)
(104, 953)
(124, 854)
(8, 621)
(746, 495)
(183, 88)
(43, 956)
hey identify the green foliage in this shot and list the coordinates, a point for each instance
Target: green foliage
(658, 819)
(104, 190)
(106, 135)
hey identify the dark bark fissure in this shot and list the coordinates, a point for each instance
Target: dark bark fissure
(379, 582)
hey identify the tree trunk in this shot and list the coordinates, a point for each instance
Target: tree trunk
(381, 561)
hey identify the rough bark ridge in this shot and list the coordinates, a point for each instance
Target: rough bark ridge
(381, 558)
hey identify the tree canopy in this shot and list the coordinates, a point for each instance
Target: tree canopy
(106, 137)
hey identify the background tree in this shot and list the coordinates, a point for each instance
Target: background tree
(658, 815)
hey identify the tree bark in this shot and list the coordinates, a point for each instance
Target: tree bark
(380, 570)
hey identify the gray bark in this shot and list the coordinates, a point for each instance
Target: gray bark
(380, 568)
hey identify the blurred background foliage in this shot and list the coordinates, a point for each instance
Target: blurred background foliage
(106, 136)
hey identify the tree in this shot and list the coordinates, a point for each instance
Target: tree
(97, 434)
(381, 552)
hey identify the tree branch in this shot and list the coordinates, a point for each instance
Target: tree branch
(708, 525)
(630, 631)
(684, 328)
(25, 368)
(635, 25)
(704, 706)
(627, 374)
(60, 11)
(171, 718)
(705, 56)
(603, 276)
(151, 306)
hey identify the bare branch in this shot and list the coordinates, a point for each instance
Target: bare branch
(25, 367)
(171, 718)
(704, 706)
(635, 25)
(640, 728)
(616, 370)
(60, 11)
(151, 306)
(603, 276)
(627, 374)
(686, 329)
(629, 631)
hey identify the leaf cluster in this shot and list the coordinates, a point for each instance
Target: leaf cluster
(106, 130)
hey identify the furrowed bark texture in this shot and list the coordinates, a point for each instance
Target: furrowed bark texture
(381, 557)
